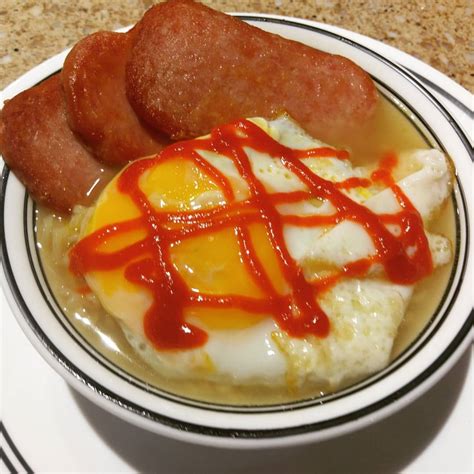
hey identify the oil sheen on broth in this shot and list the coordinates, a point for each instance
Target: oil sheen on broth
(389, 130)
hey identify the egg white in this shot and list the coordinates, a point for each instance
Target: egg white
(364, 313)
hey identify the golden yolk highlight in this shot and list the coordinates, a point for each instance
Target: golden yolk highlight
(209, 263)
(174, 185)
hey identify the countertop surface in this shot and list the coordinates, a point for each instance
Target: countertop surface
(437, 32)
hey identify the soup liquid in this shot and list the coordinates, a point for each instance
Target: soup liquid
(390, 130)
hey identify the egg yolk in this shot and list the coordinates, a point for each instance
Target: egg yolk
(209, 263)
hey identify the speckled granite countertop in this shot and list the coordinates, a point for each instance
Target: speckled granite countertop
(439, 32)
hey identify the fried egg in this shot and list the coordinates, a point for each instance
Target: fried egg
(244, 348)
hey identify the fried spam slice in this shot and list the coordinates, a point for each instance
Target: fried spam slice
(192, 68)
(38, 146)
(98, 111)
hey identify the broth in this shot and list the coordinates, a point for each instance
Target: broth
(390, 129)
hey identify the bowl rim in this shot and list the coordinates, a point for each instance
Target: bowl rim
(113, 402)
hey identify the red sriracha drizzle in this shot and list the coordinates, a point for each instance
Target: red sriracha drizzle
(406, 259)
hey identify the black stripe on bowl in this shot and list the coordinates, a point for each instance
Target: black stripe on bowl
(10, 454)
(6, 463)
(149, 414)
(443, 92)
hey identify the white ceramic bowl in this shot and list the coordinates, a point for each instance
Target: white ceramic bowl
(420, 366)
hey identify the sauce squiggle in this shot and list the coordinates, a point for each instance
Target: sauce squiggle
(406, 258)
